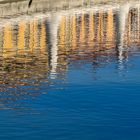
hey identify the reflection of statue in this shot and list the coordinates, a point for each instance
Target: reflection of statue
(30, 2)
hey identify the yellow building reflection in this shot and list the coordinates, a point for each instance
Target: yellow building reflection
(91, 27)
(100, 33)
(73, 32)
(43, 35)
(62, 33)
(82, 29)
(110, 36)
(21, 36)
(28, 45)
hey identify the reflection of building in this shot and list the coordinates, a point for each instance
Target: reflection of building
(110, 35)
(86, 31)
(132, 32)
(24, 52)
(47, 43)
(37, 51)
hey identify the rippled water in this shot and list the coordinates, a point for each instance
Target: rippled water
(71, 74)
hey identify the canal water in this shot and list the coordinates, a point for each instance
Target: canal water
(71, 74)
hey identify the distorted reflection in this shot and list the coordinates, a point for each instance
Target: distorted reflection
(37, 51)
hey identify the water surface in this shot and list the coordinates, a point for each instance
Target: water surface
(71, 74)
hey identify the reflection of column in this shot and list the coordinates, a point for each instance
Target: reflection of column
(54, 23)
(1, 39)
(110, 29)
(82, 30)
(73, 33)
(8, 49)
(100, 29)
(62, 33)
(31, 36)
(129, 29)
(138, 23)
(123, 14)
(21, 36)
(34, 37)
(91, 29)
(7, 41)
(7, 37)
(43, 37)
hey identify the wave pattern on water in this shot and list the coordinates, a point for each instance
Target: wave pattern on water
(36, 50)
(71, 74)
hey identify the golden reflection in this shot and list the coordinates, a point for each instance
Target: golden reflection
(21, 36)
(34, 40)
(74, 33)
(62, 50)
(62, 33)
(77, 35)
(31, 35)
(100, 34)
(35, 44)
(19, 66)
(82, 29)
(7, 44)
(43, 35)
(91, 29)
(110, 29)
(8, 41)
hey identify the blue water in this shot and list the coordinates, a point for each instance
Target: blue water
(69, 77)
(100, 103)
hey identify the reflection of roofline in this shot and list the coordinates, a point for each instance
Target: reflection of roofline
(21, 6)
